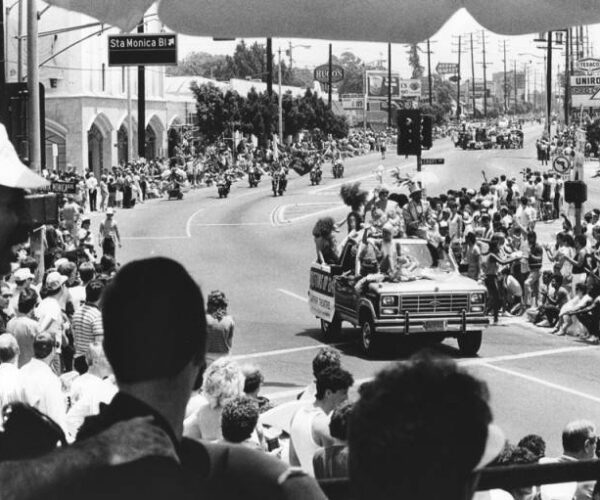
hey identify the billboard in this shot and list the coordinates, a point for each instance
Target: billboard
(378, 84)
(585, 91)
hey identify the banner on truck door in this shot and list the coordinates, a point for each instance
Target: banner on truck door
(321, 294)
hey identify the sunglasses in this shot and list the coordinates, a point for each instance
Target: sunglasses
(7, 295)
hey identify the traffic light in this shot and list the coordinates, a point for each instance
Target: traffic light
(426, 132)
(409, 132)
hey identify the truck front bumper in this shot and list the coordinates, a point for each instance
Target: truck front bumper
(423, 324)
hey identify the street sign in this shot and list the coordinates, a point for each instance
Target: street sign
(63, 187)
(561, 164)
(588, 64)
(446, 68)
(432, 161)
(584, 90)
(321, 73)
(148, 49)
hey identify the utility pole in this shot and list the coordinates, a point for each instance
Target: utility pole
(458, 81)
(483, 43)
(389, 96)
(429, 79)
(270, 66)
(567, 97)
(20, 41)
(365, 102)
(473, 74)
(505, 92)
(280, 99)
(549, 82)
(33, 87)
(329, 76)
(141, 103)
(291, 60)
(515, 83)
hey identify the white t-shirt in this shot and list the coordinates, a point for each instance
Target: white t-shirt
(50, 308)
(44, 391)
(301, 437)
(87, 392)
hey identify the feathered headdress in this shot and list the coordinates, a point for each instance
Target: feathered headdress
(353, 196)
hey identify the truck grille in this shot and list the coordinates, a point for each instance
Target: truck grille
(434, 303)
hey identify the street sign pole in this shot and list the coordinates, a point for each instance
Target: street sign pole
(141, 104)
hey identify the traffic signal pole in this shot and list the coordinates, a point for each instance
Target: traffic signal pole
(389, 96)
(33, 87)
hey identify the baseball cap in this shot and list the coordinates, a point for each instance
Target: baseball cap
(55, 280)
(13, 173)
(43, 344)
(22, 274)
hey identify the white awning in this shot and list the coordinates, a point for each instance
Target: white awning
(395, 21)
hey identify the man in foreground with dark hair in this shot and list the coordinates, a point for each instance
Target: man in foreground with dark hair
(418, 431)
(309, 428)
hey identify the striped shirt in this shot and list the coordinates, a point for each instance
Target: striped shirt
(87, 327)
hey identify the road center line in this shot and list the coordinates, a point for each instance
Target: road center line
(188, 224)
(292, 294)
(545, 383)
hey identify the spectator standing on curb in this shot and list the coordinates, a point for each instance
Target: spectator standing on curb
(5, 297)
(220, 326)
(108, 234)
(23, 326)
(92, 187)
(42, 386)
(87, 323)
(11, 384)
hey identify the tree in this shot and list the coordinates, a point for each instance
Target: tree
(414, 61)
(197, 64)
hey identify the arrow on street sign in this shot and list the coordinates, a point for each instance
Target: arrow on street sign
(432, 161)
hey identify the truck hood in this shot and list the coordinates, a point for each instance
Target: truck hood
(444, 283)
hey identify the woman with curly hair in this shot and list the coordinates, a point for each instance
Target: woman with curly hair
(219, 325)
(223, 381)
(323, 233)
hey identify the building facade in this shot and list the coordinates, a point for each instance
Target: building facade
(86, 106)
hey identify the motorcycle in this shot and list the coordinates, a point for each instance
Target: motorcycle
(315, 176)
(278, 185)
(253, 178)
(174, 191)
(338, 170)
(223, 187)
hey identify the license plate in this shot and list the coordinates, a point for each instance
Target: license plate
(436, 326)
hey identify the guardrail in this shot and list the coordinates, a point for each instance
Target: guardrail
(507, 478)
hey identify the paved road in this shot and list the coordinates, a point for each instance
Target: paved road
(258, 249)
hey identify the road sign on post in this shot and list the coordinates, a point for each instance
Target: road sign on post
(446, 68)
(561, 164)
(148, 49)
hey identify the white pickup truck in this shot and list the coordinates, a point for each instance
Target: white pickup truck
(435, 301)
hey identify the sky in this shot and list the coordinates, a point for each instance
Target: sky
(443, 47)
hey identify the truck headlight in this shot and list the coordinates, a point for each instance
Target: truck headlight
(477, 298)
(389, 300)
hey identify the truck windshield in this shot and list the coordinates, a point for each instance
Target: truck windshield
(422, 254)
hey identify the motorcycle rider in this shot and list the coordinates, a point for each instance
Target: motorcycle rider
(279, 171)
(315, 172)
